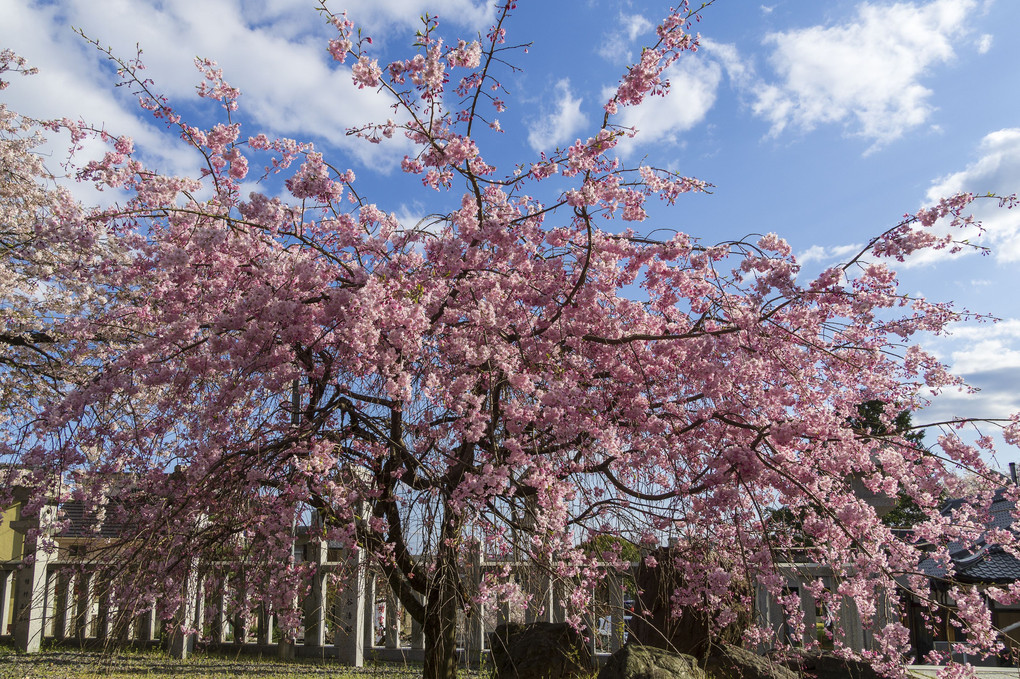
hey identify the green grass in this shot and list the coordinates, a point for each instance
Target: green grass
(73, 664)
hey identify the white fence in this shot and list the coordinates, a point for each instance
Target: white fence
(65, 601)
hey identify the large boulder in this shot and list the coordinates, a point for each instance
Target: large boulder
(540, 650)
(634, 661)
(654, 622)
(733, 662)
(827, 665)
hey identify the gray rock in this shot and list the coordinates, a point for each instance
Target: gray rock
(653, 623)
(635, 661)
(541, 650)
(827, 665)
(733, 662)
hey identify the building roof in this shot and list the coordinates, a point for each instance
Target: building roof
(80, 522)
(981, 562)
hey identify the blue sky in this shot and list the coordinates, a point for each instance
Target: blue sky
(821, 121)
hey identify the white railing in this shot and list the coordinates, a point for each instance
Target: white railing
(65, 602)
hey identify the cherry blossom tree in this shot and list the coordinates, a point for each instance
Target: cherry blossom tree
(515, 376)
(55, 270)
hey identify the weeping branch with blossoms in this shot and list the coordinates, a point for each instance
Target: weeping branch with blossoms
(484, 384)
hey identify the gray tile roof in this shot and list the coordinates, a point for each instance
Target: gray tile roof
(81, 523)
(981, 562)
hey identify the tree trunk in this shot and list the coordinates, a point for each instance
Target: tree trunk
(441, 634)
(441, 605)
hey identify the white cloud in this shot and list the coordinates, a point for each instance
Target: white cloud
(635, 25)
(616, 45)
(988, 332)
(984, 355)
(766, 9)
(274, 53)
(984, 43)
(995, 394)
(995, 397)
(75, 88)
(865, 74)
(834, 254)
(288, 82)
(740, 71)
(415, 218)
(987, 356)
(559, 126)
(997, 170)
(477, 15)
(614, 49)
(694, 83)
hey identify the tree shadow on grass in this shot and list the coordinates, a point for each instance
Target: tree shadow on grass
(64, 664)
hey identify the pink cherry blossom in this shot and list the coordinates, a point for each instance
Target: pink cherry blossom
(366, 72)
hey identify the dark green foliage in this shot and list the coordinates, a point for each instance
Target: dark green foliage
(906, 513)
(605, 543)
(869, 421)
